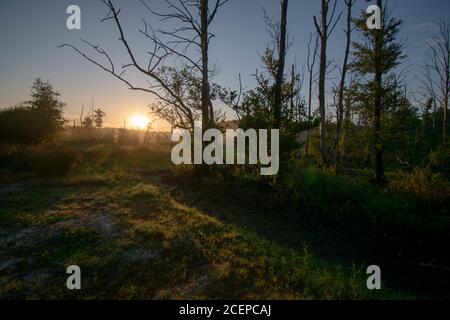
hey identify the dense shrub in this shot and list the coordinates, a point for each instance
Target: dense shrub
(343, 200)
(90, 135)
(55, 163)
(421, 184)
(34, 121)
(440, 162)
(44, 161)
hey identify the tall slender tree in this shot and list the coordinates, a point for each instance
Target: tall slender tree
(310, 64)
(378, 145)
(378, 53)
(282, 47)
(324, 30)
(341, 88)
(439, 65)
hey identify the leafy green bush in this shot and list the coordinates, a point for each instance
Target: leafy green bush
(343, 200)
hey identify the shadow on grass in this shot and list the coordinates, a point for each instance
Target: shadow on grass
(252, 206)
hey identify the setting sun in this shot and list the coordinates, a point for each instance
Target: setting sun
(139, 121)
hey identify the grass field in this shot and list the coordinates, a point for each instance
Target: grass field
(133, 240)
(136, 237)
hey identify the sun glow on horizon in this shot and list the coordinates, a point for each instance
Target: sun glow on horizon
(139, 121)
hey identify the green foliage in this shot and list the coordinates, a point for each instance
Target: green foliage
(364, 51)
(255, 107)
(98, 118)
(36, 120)
(439, 162)
(401, 125)
(355, 204)
(422, 184)
(155, 246)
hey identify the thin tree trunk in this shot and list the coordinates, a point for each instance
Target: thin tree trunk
(378, 144)
(347, 121)
(308, 136)
(445, 44)
(311, 63)
(293, 112)
(281, 64)
(340, 106)
(447, 90)
(206, 103)
(323, 31)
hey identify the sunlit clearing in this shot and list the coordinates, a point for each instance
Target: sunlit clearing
(139, 121)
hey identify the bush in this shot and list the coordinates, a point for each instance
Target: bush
(55, 163)
(44, 161)
(34, 121)
(439, 162)
(422, 184)
(341, 200)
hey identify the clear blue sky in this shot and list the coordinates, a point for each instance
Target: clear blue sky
(31, 30)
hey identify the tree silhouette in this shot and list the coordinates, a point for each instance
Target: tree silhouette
(98, 118)
(439, 64)
(193, 20)
(377, 54)
(324, 30)
(36, 120)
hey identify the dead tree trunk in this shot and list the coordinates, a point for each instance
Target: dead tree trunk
(207, 108)
(324, 30)
(311, 61)
(340, 104)
(281, 63)
(347, 123)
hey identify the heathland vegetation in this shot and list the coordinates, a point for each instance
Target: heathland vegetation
(365, 182)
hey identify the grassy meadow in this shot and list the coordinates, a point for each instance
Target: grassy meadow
(337, 122)
(142, 229)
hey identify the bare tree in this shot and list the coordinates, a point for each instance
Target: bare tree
(439, 63)
(428, 92)
(310, 64)
(296, 104)
(173, 88)
(191, 32)
(324, 30)
(348, 102)
(345, 66)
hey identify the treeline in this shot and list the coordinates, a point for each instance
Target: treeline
(35, 120)
(373, 119)
(36, 138)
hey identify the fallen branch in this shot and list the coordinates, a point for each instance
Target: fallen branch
(432, 266)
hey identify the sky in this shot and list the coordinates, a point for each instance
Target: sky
(32, 30)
